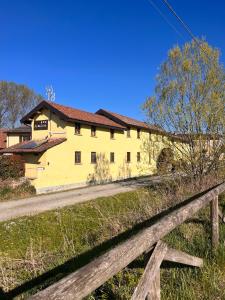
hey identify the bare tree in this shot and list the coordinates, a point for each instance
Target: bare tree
(3, 106)
(15, 101)
(189, 100)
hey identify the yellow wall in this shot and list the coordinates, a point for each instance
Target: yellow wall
(56, 126)
(56, 168)
(12, 140)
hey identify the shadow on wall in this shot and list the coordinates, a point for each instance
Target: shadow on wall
(124, 170)
(101, 171)
(149, 153)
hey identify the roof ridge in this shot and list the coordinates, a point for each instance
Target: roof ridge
(123, 115)
(69, 107)
(74, 114)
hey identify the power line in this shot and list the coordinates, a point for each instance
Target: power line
(165, 18)
(186, 27)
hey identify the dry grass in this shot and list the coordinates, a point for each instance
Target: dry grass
(34, 245)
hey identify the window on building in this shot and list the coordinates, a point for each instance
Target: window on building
(128, 157)
(112, 133)
(77, 157)
(138, 133)
(112, 157)
(93, 158)
(23, 138)
(138, 156)
(93, 131)
(77, 128)
(128, 132)
(150, 136)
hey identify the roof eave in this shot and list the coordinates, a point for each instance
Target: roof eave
(35, 150)
(41, 105)
(45, 104)
(95, 124)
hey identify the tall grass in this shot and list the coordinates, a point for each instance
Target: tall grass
(73, 236)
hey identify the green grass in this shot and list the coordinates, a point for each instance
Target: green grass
(64, 240)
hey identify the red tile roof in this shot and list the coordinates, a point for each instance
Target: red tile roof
(21, 129)
(3, 138)
(73, 114)
(128, 121)
(41, 146)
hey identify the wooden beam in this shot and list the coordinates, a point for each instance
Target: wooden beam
(215, 223)
(183, 258)
(154, 291)
(81, 283)
(152, 268)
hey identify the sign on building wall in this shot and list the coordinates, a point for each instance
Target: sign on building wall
(41, 125)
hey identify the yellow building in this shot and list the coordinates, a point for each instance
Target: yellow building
(72, 148)
(10, 137)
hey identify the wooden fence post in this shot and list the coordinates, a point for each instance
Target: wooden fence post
(82, 282)
(215, 222)
(148, 284)
(154, 291)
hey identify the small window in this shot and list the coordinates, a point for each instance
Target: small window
(128, 157)
(138, 156)
(93, 131)
(93, 158)
(77, 128)
(150, 136)
(112, 132)
(24, 138)
(112, 157)
(128, 132)
(138, 133)
(77, 157)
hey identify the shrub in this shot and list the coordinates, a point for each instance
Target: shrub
(165, 161)
(11, 166)
(9, 193)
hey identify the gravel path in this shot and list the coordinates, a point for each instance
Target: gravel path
(37, 204)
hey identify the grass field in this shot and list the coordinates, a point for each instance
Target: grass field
(58, 242)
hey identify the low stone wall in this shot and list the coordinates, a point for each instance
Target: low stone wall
(13, 183)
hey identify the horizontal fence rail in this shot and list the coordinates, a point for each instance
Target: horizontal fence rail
(88, 278)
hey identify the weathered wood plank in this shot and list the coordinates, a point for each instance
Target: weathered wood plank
(215, 222)
(145, 284)
(154, 291)
(183, 258)
(81, 283)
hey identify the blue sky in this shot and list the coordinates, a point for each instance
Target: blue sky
(98, 53)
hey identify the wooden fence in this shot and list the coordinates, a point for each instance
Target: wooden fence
(87, 279)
